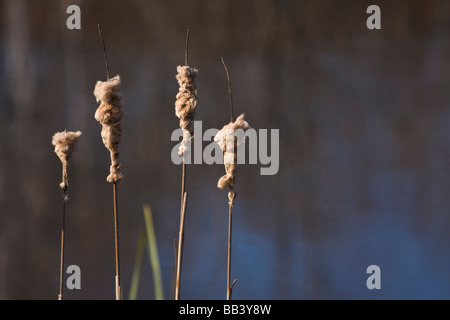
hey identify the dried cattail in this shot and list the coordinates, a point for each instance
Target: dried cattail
(185, 103)
(64, 143)
(110, 114)
(228, 142)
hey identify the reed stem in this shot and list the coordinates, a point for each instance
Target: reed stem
(63, 226)
(179, 253)
(183, 183)
(230, 93)
(104, 52)
(186, 48)
(116, 243)
(231, 194)
(180, 248)
(116, 211)
(229, 288)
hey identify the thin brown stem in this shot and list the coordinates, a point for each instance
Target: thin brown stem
(104, 52)
(180, 248)
(63, 226)
(180, 232)
(230, 213)
(175, 247)
(183, 172)
(186, 47)
(116, 243)
(116, 212)
(183, 183)
(179, 251)
(231, 192)
(229, 88)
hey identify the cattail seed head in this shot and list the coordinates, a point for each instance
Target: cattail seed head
(186, 103)
(228, 142)
(110, 114)
(64, 143)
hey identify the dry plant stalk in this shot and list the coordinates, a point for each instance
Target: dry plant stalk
(186, 101)
(64, 143)
(228, 143)
(110, 114)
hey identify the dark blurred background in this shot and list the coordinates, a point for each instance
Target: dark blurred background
(364, 147)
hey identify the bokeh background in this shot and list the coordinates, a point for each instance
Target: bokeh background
(364, 147)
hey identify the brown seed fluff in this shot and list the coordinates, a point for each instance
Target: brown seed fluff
(185, 103)
(110, 114)
(224, 136)
(64, 143)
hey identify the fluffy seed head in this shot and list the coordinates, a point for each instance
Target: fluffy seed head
(110, 114)
(64, 143)
(186, 103)
(227, 141)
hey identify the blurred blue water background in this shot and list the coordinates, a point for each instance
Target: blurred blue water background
(364, 147)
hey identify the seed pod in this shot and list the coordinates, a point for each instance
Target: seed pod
(186, 103)
(110, 114)
(228, 142)
(64, 143)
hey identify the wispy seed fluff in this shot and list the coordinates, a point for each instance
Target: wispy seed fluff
(225, 139)
(110, 114)
(64, 143)
(185, 103)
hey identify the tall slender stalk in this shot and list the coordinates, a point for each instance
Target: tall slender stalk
(116, 243)
(104, 51)
(63, 227)
(231, 199)
(115, 176)
(230, 92)
(180, 247)
(183, 170)
(179, 253)
(183, 183)
(229, 288)
(222, 138)
(64, 143)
